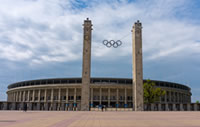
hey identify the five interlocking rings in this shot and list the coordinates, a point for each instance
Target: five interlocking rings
(111, 43)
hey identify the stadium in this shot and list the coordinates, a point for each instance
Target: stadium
(65, 93)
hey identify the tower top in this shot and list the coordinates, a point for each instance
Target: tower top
(138, 23)
(87, 22)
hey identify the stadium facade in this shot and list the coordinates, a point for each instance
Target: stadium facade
(65, 93)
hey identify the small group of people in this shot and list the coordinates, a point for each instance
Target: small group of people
(103, 107)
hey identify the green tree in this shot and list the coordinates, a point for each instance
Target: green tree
(197, 102)
(151, 93)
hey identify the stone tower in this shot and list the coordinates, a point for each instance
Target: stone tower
(137, 67)
(85, 92)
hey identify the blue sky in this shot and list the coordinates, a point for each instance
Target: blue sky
(43, 39)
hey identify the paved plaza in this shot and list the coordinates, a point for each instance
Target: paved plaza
(98, 119)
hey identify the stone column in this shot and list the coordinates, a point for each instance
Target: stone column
(5, 105)
(39, 93)
(170, 96)
(91, 97)
(125, 101)
(14, 97)
(74, 95)
(59, 99)
(137, 67)
(75, 107)
(181, 107)
(24, 95)
(28, 98)
(38, 106)
(178, 97)
(51, 95)
(100, 94)
(85, 92)
(117, 97)
(188, 107)
(20, 96)
(108, 97)
(174, 107)
(181, 97)
(166, 107)
(52, 105)
(165, 97)
(59, 95)
(152, 106)
(33, 98)
(159, 107)
(45, 95)
(67, 93)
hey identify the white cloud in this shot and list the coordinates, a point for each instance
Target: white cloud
(51, 31)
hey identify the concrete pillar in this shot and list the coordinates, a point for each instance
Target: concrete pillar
(137, 67)
(52, 95)
(100, 94)
(67, 93)
(91, 97)
(85, 92)
(108, 97)
(45, 95)
(39, 95)
(166, 97)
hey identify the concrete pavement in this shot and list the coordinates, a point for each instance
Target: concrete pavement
(98, 119)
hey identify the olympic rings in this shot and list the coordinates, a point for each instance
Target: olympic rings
(112, 43)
